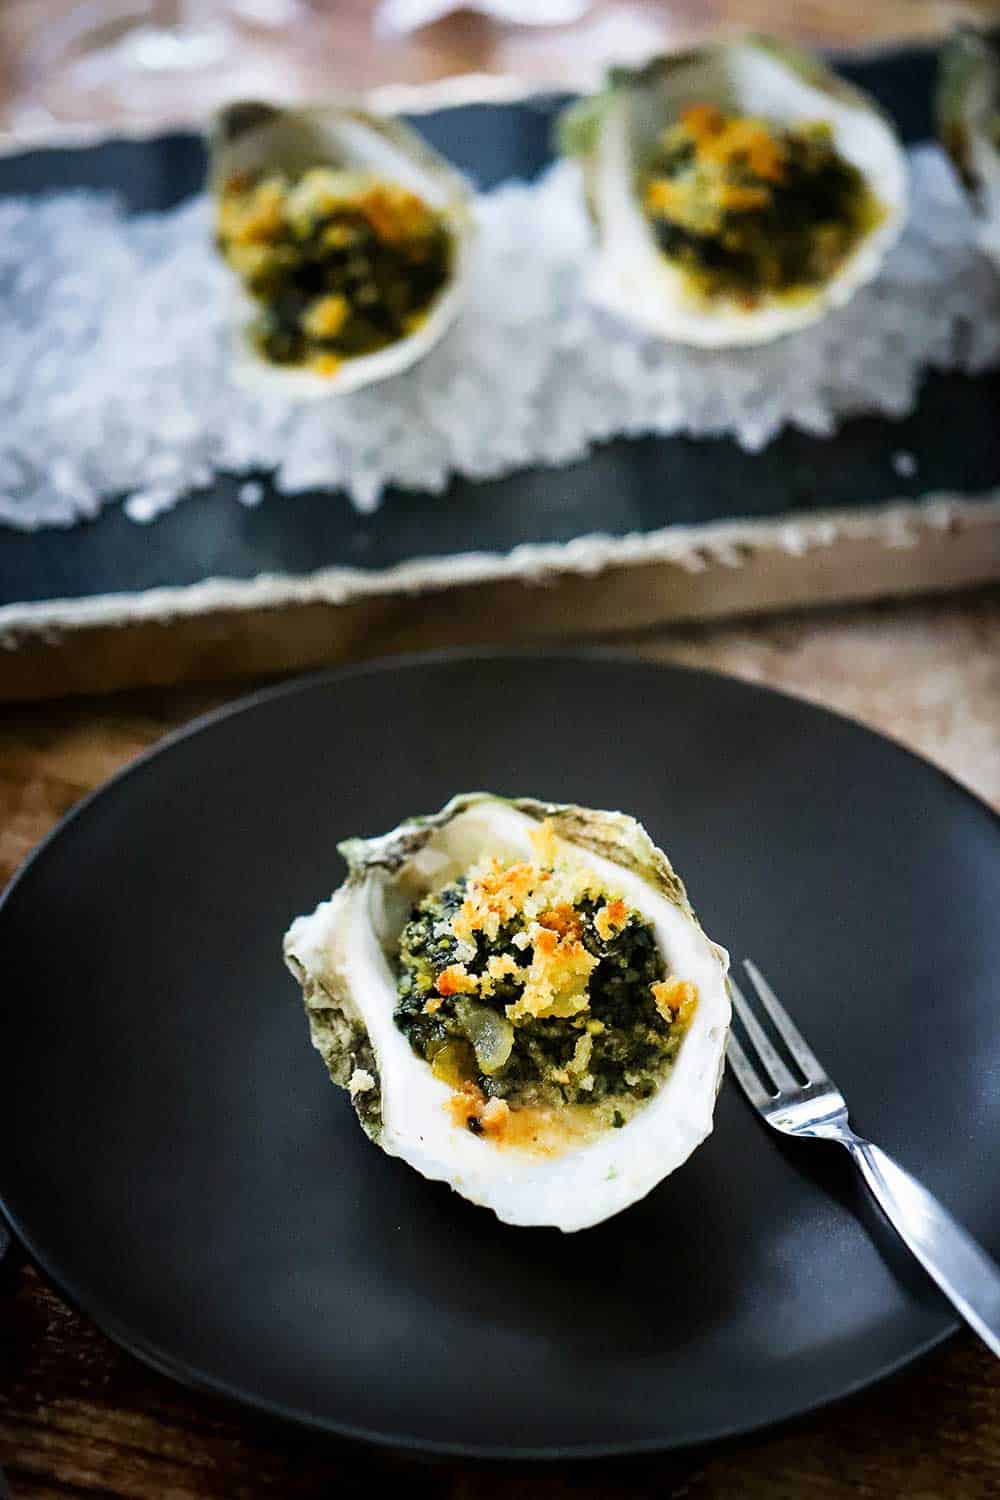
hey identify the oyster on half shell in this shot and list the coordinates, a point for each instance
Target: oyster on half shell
(325, 159)
(533, 1072)
(644, 275)
(968, 114)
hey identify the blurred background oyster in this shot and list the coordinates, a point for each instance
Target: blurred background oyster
(350, 239)
(740, 191)
(968, 112)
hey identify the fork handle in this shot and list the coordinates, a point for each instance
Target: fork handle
(961, 1268)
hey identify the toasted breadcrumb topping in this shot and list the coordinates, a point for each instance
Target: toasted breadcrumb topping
(466, 1104)
(676, 999)
(735, 139)
(455, 980)
(495, 1116)
(543, 893)
(727, 150)
(536, 992)
(325, 364)
(611, 919)
(326, 316)
(470, 1108)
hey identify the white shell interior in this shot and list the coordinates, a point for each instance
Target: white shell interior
(633, 279)
(348, 938)
(300, 139)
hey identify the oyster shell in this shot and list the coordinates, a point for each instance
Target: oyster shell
(968, 114)
(251, 137)
(345, 956)
(615, 134)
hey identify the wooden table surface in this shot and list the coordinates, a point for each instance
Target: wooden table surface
(78, 1417)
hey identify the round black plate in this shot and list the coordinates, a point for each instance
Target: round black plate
(173, 1156)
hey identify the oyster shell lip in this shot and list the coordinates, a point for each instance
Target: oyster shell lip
(251, 134)
(341, 954)
(628, 274)
(967, 113)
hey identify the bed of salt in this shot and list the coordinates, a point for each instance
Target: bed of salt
(115, 380)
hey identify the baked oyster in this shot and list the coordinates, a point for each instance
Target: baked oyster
(968, 114)
(740, 191)
(521, 1003)
(350, 240)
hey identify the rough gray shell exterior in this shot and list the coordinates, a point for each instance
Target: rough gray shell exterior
(612, 834)
(342, 1041)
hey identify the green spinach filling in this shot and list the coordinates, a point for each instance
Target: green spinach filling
(747, 209)
(616, 1049)
(340, 264)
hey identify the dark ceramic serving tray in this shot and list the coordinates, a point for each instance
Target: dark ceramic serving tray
(103, 572)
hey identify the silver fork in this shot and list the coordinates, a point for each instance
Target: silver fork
(817, 1110)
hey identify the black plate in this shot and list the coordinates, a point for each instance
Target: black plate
(628, 485)
(173, 1156)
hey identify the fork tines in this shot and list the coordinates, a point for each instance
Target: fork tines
(777, 1072)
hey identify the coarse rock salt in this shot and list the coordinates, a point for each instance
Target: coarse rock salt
(115, 381)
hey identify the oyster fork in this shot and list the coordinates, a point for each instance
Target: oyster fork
(817, 1110)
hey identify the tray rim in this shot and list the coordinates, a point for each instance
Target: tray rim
(894, 525)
